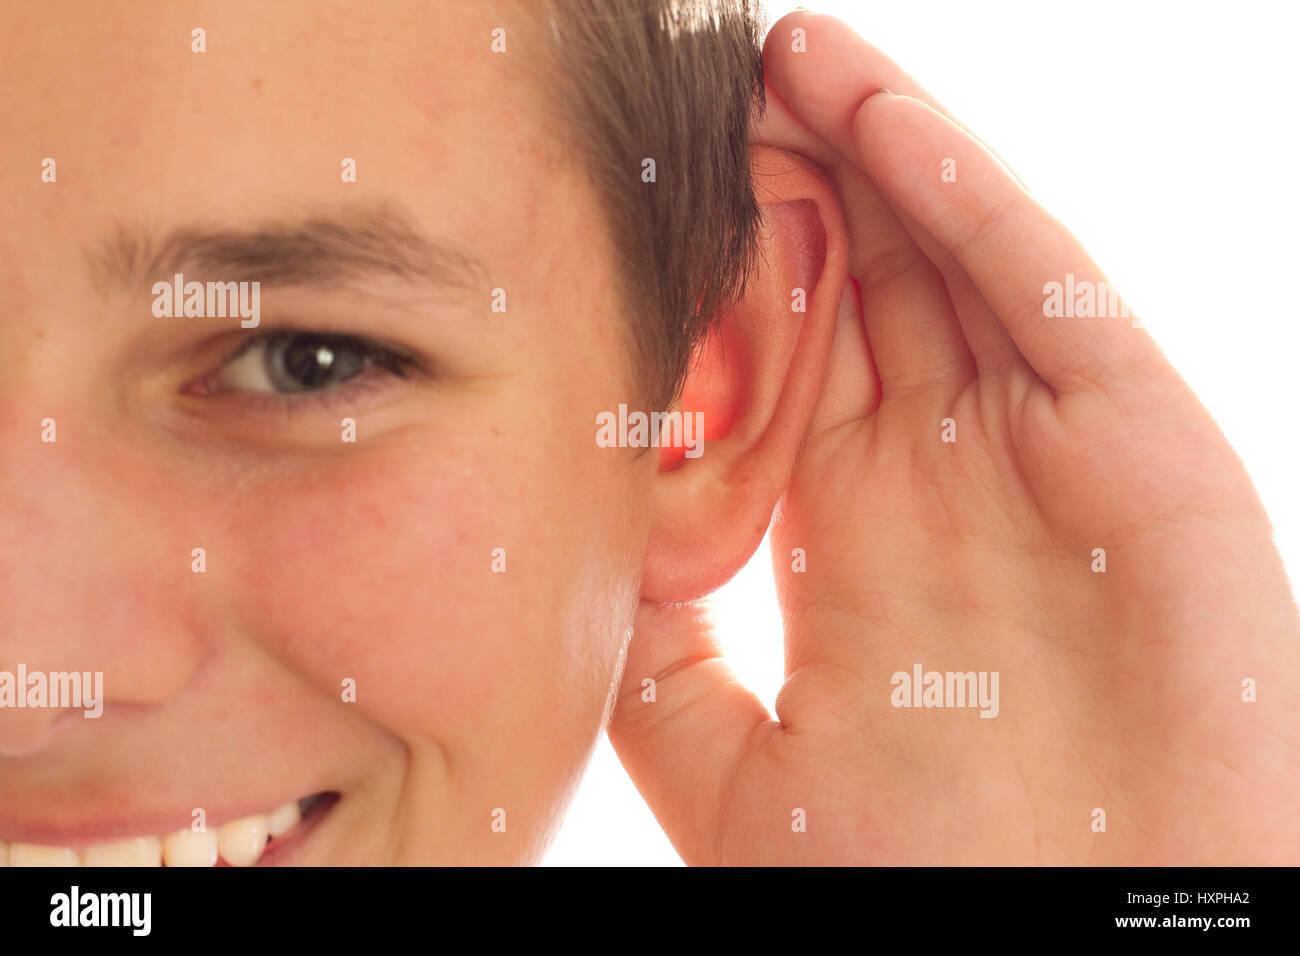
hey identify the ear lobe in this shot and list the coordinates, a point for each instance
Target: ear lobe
(755, 383)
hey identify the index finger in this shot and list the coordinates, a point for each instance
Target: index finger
(1023, 262)
(857, 66)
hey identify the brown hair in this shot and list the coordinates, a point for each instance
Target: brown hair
(679, 82)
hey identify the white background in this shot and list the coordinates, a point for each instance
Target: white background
(1165, 135)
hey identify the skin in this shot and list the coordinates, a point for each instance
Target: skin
(329, 561)
(371, 560)
(325, 560)
(1120, 691)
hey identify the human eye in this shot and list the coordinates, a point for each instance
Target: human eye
(296, 366)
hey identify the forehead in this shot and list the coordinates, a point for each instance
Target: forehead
(285, 93)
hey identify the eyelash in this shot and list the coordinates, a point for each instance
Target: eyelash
(384, 362)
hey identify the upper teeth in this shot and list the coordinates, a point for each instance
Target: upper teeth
(239, 843)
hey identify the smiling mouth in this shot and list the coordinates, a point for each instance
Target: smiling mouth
(243, 842)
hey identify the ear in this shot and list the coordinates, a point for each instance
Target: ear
(754, 384)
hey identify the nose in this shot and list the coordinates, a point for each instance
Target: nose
(92, 579)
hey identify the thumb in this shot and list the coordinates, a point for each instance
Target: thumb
(682, 723)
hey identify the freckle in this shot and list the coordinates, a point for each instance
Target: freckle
(257, 84)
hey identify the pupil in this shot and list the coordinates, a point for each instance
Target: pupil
(302, 362)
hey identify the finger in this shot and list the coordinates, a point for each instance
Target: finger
(991, 346)
(916, 338)
(682, 723)
(851, 391)
(829, 58)
(917, 342)
(1013, 250)
(779, 127)
(832, 86)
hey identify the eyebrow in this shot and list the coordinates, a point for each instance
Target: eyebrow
(346, 246)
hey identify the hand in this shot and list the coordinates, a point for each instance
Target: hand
(1119, 690)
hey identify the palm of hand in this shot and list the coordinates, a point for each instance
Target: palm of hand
(1121, 690)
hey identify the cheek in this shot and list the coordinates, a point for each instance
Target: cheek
(382, 570)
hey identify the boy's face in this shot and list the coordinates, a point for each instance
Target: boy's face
(326, 560)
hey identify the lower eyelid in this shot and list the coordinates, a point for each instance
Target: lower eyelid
(372, 380)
